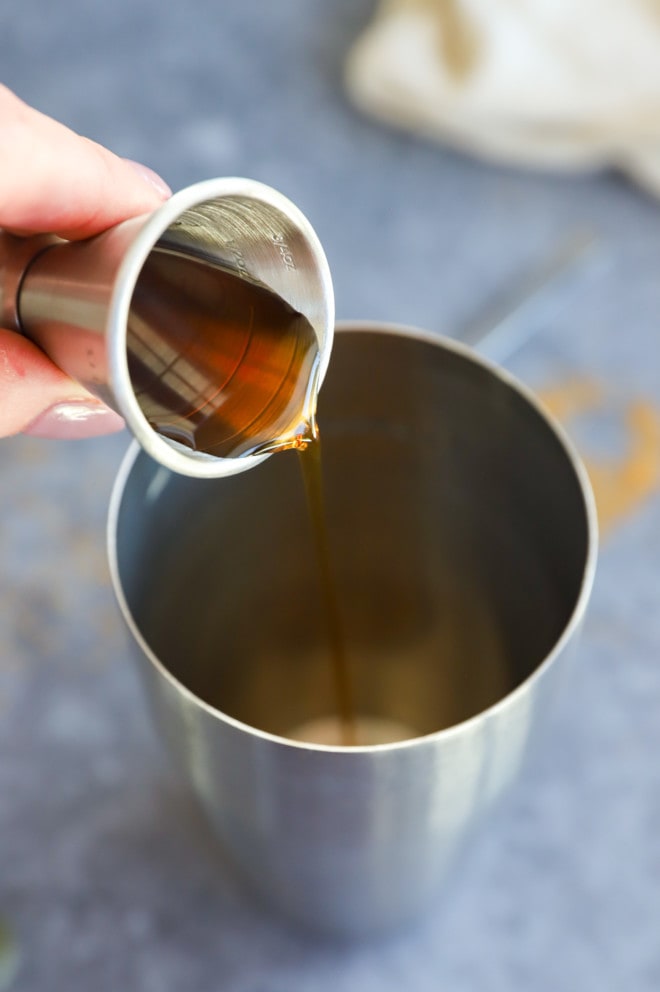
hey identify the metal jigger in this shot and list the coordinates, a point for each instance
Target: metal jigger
(73, 299)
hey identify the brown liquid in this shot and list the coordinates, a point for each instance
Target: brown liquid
(218, 362)
(225, 366)
(311, 464)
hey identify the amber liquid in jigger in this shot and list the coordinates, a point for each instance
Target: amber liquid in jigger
(223, 365)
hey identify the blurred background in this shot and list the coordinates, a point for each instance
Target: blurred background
(442, 199)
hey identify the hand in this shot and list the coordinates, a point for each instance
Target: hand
(54, 181)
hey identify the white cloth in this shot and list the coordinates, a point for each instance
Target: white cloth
(550, 83)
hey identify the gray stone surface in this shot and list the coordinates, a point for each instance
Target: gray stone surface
(107, 871)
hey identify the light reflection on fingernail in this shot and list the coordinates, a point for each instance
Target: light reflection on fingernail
(75, 419)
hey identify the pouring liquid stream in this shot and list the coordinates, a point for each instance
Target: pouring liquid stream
(311, 465)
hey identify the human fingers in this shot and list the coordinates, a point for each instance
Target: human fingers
(53, 180)
(39, 399)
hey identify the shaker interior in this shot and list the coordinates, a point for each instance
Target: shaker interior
(458, 533)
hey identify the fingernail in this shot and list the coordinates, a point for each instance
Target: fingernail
(151, 177)
(75, 419)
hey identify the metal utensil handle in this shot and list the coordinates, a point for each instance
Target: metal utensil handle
(512, 319)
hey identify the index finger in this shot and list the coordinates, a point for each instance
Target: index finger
(53, 180)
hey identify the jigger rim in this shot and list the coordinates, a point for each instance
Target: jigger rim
(511, 698)
(171, 454)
